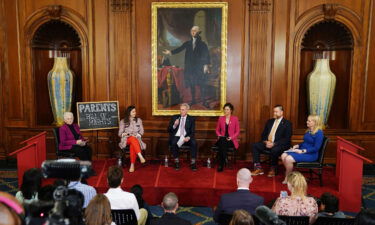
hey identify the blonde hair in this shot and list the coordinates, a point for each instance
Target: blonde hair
(318, 123)
(241, 217)
(98, 212)
(298, 183)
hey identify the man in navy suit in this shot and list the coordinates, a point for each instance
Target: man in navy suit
(275, 138)
(181, 132)
(241, 199)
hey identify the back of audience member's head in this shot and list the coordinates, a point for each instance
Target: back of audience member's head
(244, 178)
(31, 183)
(297, 184)
(98, 212)
(10, 210)
(366, 217)
(329, 203)
(170, 202)
(74, 211)
(137, 190)
(241, 217)
(114, 176)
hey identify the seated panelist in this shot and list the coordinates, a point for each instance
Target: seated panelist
(276, 138)
(131, 131)
(308, 150)
(181, 132)
(227, 131)
(71, 138)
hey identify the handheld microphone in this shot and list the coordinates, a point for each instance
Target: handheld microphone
(267, 216)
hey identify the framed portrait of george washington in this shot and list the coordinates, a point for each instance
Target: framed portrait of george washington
(189, 57)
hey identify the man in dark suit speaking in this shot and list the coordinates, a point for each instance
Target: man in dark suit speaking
(276, 138)
(241, 199)
(197, 59)
(181, 132)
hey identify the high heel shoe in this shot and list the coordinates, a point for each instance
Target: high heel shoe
(131, 169)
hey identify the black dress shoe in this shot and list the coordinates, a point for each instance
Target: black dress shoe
(176, 165)
(220, 168)
(193, 166)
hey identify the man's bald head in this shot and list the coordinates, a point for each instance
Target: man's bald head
(244, 178)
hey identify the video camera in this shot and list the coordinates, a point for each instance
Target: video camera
(66, 206)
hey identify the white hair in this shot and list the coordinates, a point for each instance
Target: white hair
(68, 114)
(196, 28)
(186, 105)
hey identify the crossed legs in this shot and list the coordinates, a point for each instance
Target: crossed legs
(288, 162)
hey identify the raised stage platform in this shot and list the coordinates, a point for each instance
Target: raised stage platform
(201, 188)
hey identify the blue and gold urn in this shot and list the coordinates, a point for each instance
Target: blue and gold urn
(321, 84)
(60, 87)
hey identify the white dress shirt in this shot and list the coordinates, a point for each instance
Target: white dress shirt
(120, 199)
(178, 134)
(279, 121)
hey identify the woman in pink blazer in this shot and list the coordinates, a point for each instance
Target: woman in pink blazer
(71, 139)
(227, 130)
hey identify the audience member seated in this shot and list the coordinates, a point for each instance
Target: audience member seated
(137, 190)
(275, 138)
(241, 199)
(71, 138)
(87, 191)
(120, 199)
(297, 204)
(11, 211)
(181, 132)
(98, 212)
(366, 217)
(308, 150)
(170, 206)
(31, 183)
(227, 131)
(74, 212)
(241, 217)
(130, 132)
(329, 206)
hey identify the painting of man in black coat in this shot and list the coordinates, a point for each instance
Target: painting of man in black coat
(196, 68)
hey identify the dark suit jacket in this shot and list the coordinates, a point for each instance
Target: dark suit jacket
(283, 133)
(189, 126)
(170, 219)
(241, 199)
(195, 59)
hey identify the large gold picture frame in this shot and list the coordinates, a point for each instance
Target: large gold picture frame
(186, 67)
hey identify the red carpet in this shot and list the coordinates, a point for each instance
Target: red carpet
(200, 188)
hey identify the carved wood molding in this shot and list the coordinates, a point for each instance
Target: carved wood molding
(54, 11)
(121, 5)
(260, 5)
(330, 11)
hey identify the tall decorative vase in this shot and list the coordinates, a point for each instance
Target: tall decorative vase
(60, 87)
(321, 83)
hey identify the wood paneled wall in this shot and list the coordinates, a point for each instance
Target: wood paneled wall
(264, 43)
